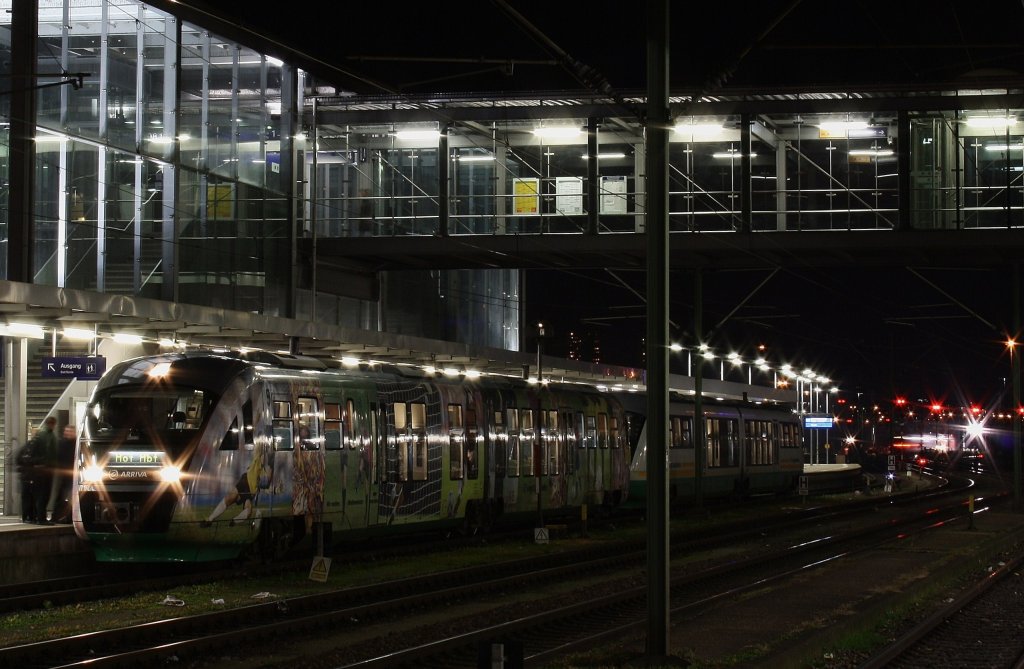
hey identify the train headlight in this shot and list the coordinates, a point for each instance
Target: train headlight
(92, 474)
(170, 474)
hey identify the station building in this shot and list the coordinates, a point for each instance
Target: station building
(190, 185)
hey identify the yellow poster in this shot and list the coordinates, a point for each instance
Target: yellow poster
(220, 202)
(526, 196)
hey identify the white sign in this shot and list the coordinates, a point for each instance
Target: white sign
(569, 191)
(613, 195)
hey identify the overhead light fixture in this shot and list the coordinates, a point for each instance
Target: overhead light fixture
(605, 156)
(1004, 147)
(842, 126)
(417, 135)
(79, 334)
(872, 152)
(126, 338)
(994, 122)
(558, 132)
(731, 154)
(695, 129)
(475, 158)
(29, 330)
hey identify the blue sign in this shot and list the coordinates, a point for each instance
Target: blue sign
(818, 422)
(83, 369)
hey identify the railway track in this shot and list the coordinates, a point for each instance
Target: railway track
(124, 579)
(191, 637)
(980, 628)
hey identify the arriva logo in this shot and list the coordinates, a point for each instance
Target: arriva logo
(114, 474)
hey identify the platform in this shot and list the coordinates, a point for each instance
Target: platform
(30, 552)
(833, 478)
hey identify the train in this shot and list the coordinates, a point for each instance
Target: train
(201, 456)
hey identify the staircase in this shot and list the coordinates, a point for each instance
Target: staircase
(40, 396)
(42, 393)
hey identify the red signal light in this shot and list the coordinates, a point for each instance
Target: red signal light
(936, 408)
(975, 409)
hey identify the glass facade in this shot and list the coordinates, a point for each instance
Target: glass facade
(178, 164)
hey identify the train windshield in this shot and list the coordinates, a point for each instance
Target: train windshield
(168, 417)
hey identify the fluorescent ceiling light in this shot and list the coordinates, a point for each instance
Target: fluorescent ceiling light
(871, 152)
(990, 121)
(557, 132)
(730, 154)
(25, 330)
(604, 156)
(1004, 147)
(475, 158)
(125, 338)
(697, 128)
(417, 135)
(79, 334)
(842, 126)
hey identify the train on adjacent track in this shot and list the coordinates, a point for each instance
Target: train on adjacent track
(200, 456)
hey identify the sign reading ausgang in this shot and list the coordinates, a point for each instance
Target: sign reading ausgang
(84, 369)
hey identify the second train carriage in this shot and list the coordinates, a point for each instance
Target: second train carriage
(196, 456)
(748, 449)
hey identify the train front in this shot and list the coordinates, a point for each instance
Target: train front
(143, 427)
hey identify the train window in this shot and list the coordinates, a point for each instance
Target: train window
(401, 443)
(455, 441)
(548, 446)
(570, 440)
(686, 432)
(282, 425)
(602, 430)
(527, 441)
(513, 442)
(309, 424)
(613, 432)
(722, 445)
(760, 442)
(418, 420)
(472, 445)
(351, 430)
(788, 435)
(248, 437)
(591, 432)
(332, 426)
(230, 440)
(500, 440)
(681, 432)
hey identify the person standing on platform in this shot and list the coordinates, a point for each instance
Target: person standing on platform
(26, 463)
(43, 480)
(63, 476)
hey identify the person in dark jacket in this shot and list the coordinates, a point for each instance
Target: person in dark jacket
(43, 479)
(63, 476)
(26, 476)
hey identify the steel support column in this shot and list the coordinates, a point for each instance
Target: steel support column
(657, 328)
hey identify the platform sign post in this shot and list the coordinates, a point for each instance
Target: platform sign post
(802, 485)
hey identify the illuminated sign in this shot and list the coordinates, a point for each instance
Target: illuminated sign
(818, 422)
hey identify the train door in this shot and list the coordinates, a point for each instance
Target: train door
(554, 458)
(570, 453)
(308, 468)
(407, 457)
(529, 448)
(604, 455)
(512, 469)
(456, 459)
(496, 463)
(593, 458)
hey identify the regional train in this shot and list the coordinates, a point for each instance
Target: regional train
(199, 456)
